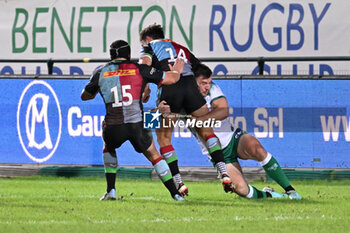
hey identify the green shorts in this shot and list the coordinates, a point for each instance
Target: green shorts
(230, 151)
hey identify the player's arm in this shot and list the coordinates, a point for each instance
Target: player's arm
(86, 95)
(173, 75)
(151, 74)
(219, 112)
(91, 89)
(146, 94)
(146, 54)
(146, 60)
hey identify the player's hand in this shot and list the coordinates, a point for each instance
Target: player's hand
(178, 65)
(146, 94)
(164, 108)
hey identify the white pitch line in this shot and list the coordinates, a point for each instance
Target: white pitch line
(160, 220)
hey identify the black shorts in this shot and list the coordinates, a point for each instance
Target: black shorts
(115, 135)
(182, 95)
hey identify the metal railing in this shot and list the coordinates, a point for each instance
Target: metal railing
(260, 60)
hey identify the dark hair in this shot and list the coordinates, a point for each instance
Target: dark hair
(202, 69)
(120, 48)
(155, 31)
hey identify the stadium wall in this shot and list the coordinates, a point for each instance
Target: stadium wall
(303, 123)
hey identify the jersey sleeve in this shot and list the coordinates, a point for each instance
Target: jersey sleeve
(151, 74)
(92, 86)
(194, 61)
(215, 93)
(146, 50)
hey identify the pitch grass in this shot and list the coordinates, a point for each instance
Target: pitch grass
(50, 204)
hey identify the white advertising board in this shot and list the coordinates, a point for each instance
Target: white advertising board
(66, 29)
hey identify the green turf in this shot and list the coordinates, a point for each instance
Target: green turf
(49, 204)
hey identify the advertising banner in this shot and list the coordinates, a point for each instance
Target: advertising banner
(303, 123)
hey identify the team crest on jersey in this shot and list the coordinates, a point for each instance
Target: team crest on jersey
(119, 73)
(39, 121)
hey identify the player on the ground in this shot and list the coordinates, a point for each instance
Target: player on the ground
(120, 83)
(239, 144)
(183, 95)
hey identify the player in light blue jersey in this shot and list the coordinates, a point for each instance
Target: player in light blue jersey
(159, 52)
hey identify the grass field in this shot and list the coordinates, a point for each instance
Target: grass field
(50, 204)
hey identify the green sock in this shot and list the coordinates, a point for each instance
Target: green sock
(273, 170)
(256, 193)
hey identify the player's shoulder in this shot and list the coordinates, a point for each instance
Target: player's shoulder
(214, 87)
(96, 72)
(215, 91)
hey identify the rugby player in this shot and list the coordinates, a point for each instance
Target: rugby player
(237, 143)
(159, 52)
(120, 83)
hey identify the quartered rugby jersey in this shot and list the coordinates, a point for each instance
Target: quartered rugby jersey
(164, 51)
(121, 84)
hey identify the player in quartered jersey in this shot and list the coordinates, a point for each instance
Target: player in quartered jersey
(238, 144)
(120, 83)
(159, 52)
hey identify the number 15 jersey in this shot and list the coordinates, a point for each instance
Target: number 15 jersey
(121, 84)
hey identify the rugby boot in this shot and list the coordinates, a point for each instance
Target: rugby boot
(183, 190)
(111, 196)
(274, 194)
(292, 194)
(178, 197)
(227, 183)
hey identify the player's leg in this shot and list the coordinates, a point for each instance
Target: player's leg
(250, 148)
(174, 98)
(142, 141)
(213, 146)
(195, 104)
(163, 171)
(242, 188)
(168, 153)
(110, 165)
(113, 137)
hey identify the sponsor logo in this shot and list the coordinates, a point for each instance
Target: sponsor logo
(273, 167)
(238, 133)
(119, 73)
(164, 173)
(152, 71)
(39, 121)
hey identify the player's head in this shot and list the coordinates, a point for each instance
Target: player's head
(153, 31)
(120, 49)
(203, 73)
